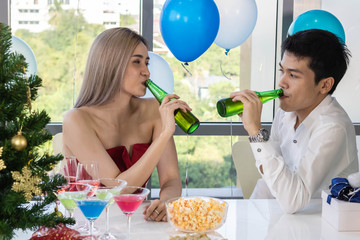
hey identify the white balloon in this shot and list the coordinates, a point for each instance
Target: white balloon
(237, 21)
(160, 74)
(21, 47)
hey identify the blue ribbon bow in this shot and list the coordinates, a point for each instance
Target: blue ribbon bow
(342, 190)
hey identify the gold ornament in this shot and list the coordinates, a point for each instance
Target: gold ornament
(26, 183)
(18, 142)
(2, 163)
(28, 92)
(30, 161)
(57, 212)
(28, 96)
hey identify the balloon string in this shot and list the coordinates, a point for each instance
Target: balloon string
(183, 65)
(223, 72)
(76, 35)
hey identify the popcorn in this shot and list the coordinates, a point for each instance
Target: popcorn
(197, 214)
(196, 236)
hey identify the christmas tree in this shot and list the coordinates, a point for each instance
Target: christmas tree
(27, 190)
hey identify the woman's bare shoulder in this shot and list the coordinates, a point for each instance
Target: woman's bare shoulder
(77, 116)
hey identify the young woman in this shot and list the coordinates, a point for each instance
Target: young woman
(128, 136)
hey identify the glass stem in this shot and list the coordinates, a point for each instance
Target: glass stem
(128, 226)
(91, 224)
(107, 220)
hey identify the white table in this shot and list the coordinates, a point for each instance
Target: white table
(246, 220)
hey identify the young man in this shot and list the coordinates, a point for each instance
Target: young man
(312, 138)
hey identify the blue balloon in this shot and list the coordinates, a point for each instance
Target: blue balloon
(189, 27)
(318, 19)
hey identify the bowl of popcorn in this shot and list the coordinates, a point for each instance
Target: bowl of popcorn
(196, 214)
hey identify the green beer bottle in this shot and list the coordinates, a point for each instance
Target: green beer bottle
(226, 107)
(185, 120)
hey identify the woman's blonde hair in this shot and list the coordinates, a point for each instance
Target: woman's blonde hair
(105, 68)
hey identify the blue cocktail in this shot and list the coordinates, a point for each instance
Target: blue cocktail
(92, 208)
(93, 205)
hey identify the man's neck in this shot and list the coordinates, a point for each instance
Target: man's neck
(302, 115)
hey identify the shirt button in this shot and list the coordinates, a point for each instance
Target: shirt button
(259, 150)
(294, 141)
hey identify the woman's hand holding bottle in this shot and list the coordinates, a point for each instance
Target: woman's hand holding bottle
(168, 108)
(183, 116)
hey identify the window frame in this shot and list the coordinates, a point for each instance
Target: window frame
(285, 10)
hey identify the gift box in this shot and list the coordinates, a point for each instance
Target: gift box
(342, 215)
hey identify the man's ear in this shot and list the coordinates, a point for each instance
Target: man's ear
(326, 85)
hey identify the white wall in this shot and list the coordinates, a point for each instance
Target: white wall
(347, 92)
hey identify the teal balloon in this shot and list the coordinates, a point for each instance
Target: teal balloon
(189, 27)
(318, 19)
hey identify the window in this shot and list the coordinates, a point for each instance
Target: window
(207, 79)
(54, 30)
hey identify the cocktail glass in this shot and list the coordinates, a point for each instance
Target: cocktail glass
(110, 187)
(92, 207)
(70, 168)
(129, 200)
(68, 193)
(88, 173)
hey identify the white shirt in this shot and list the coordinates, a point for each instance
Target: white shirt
(298, 164)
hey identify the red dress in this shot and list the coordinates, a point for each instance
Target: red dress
(122, 158)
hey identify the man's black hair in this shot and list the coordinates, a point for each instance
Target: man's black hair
(328, 56)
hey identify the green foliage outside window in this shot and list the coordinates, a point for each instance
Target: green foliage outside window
(208, 166)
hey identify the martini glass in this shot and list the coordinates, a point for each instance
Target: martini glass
(91, 207)
(112, 188)
(69, 192)
(129, 200)
(88, 173)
